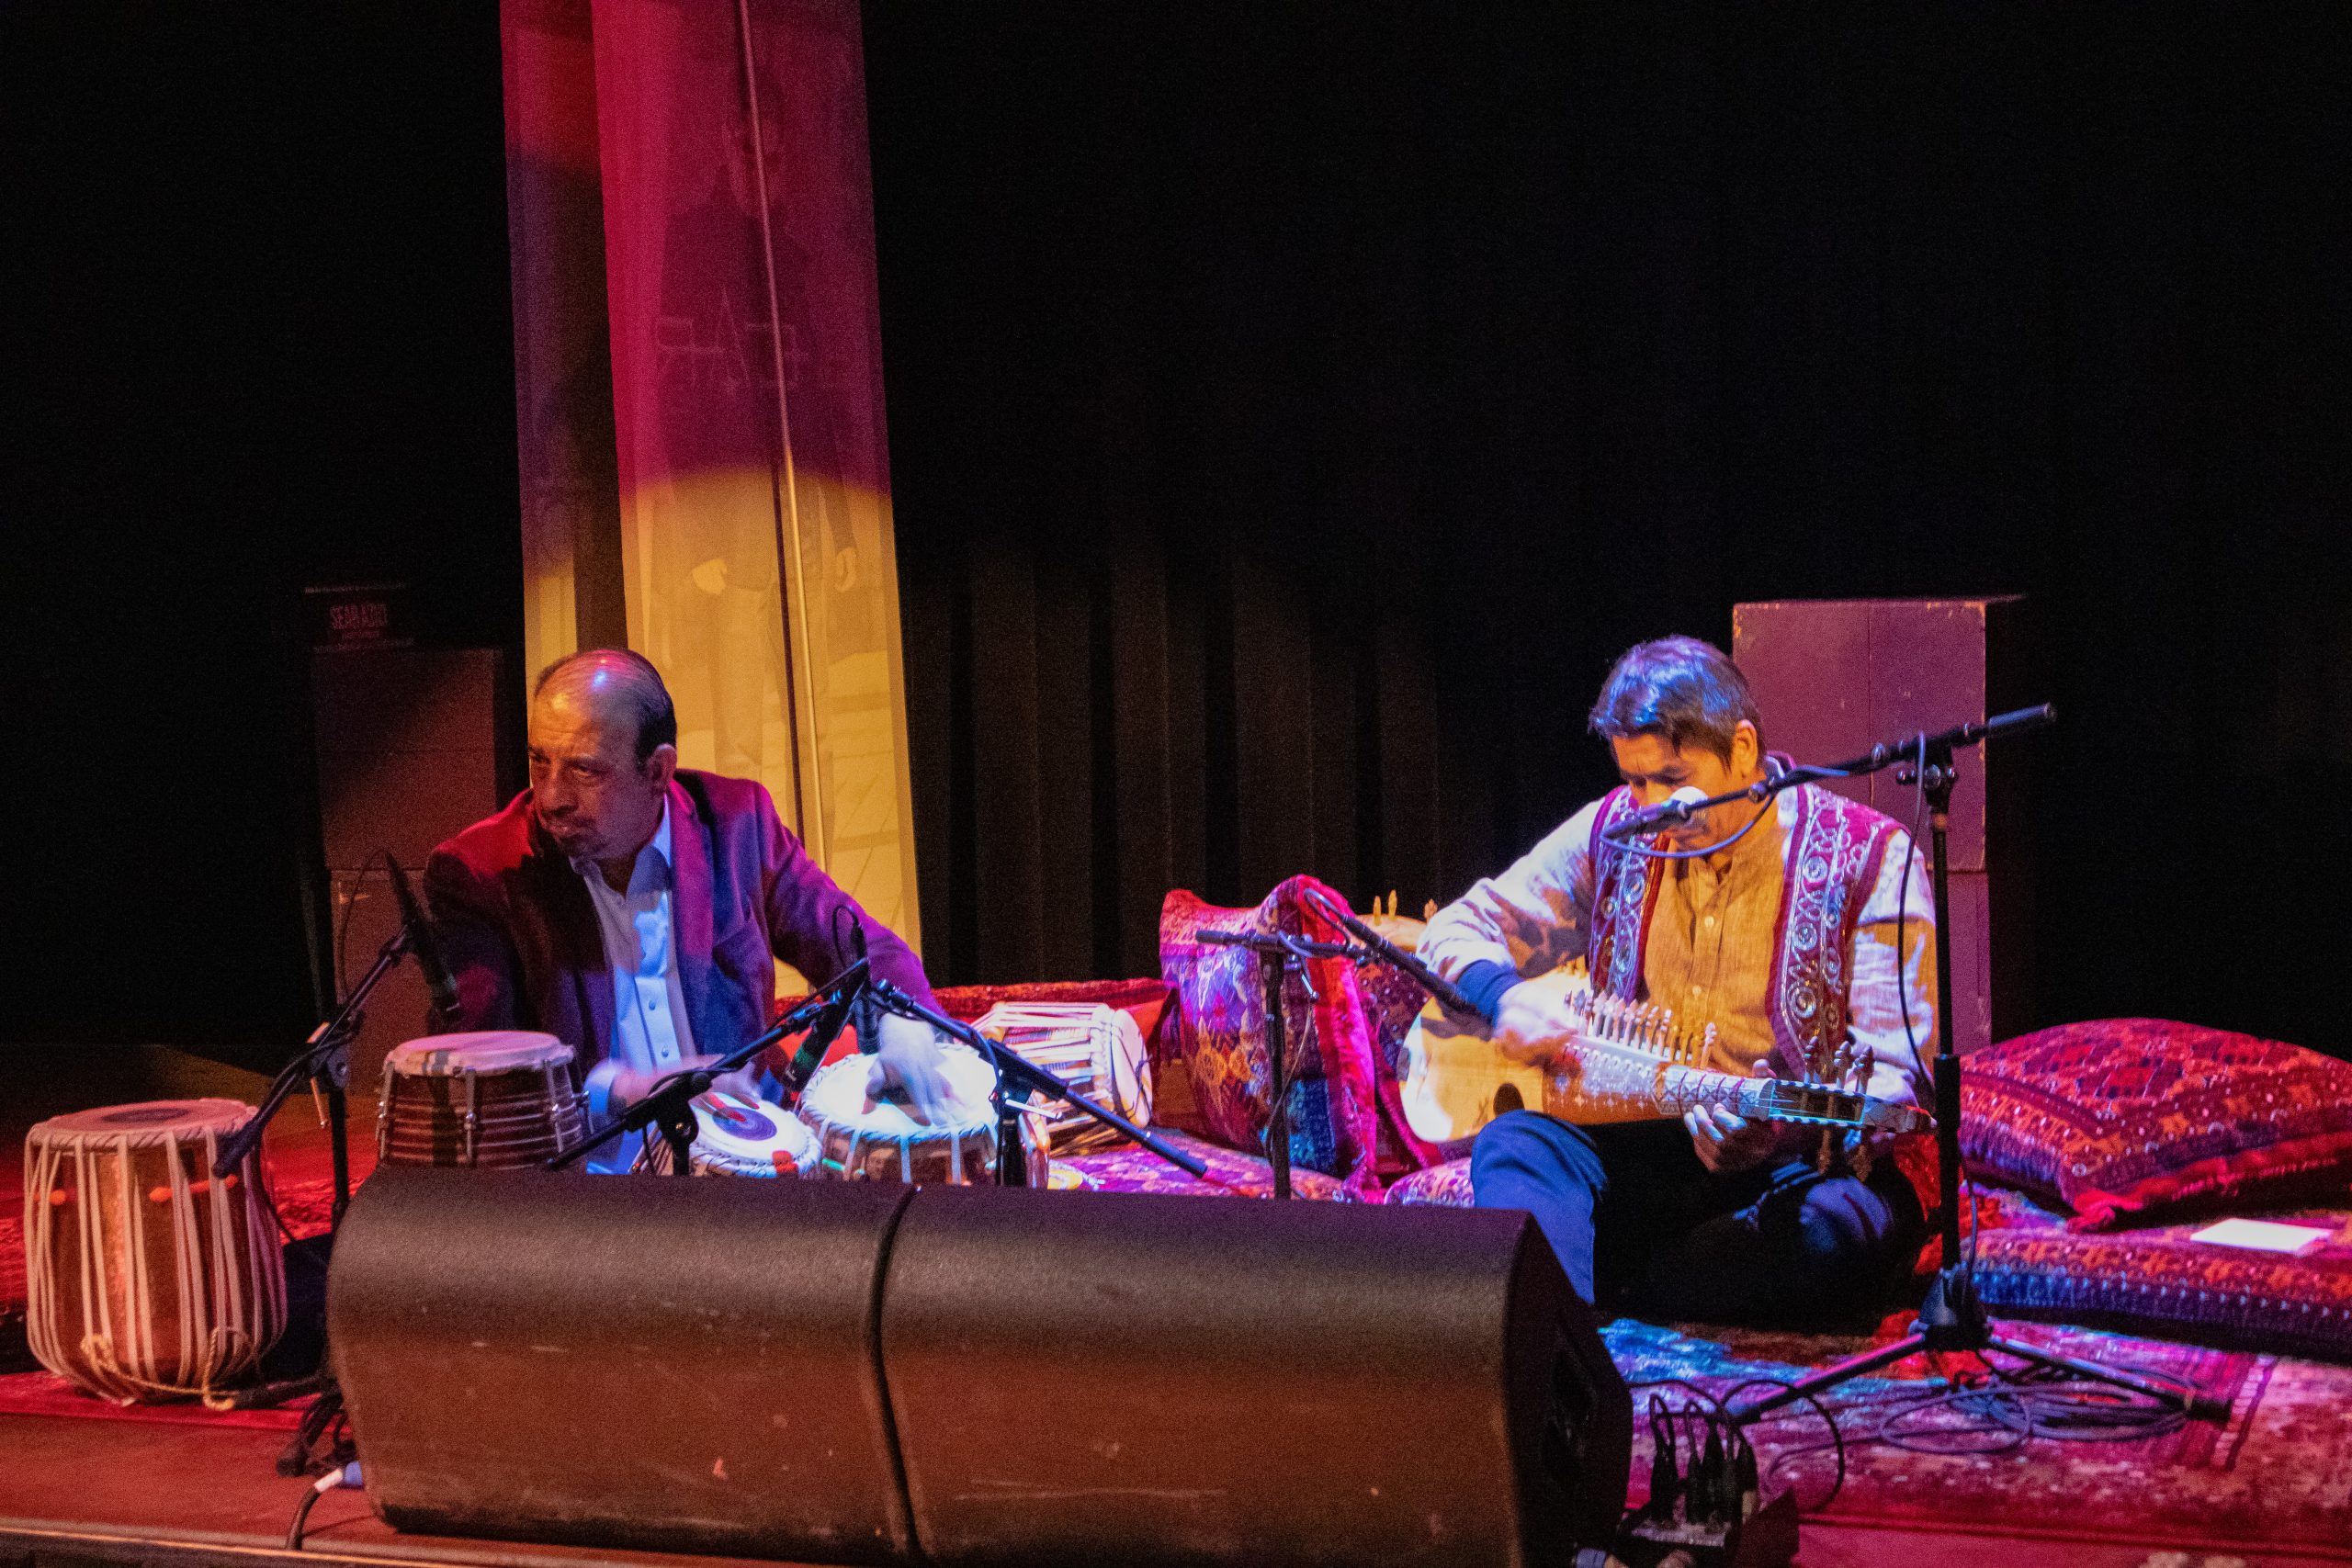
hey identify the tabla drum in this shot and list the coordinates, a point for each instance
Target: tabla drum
(882, 1142)
(1096, 1050)
(496, 1098)
(739, 1136)
(146, 1279)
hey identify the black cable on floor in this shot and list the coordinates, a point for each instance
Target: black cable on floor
(348, 1475)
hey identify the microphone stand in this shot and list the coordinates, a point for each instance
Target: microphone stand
(1674, 813)
(1013, 1067)
(1449, 996)
(1274, 950)
(670, 1107)
(1953, 1317)
(326, 1058)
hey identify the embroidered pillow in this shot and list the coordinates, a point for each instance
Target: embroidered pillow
(1231, 1174)
(2124, 1118)
(1216, 1025)
(2155, 1280)
(1447, 1186)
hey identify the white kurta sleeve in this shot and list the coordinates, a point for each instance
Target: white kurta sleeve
(1534, 916)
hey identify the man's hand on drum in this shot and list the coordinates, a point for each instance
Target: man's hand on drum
(906, 1057)
(1531, 1024)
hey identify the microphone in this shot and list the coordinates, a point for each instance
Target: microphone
(848, 992)
(865, 1012)
(2017, 721)
(1449, 996)
(425, 942)
(1672, 812)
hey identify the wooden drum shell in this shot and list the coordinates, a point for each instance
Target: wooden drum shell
(147, 1280)
(448, 1103)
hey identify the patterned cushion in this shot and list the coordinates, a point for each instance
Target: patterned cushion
(1447, 1185)
(1231, 1174)
(1217, 1025)
(2124, 1117)
(1391, 999)
(2156, 1281)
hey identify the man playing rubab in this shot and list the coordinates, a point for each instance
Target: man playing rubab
(1786, 924)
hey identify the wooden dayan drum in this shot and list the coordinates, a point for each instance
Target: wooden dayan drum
(857, 1142)
(500, 1097)
(146, 1279)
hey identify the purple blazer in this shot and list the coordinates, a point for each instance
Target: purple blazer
(524, 944)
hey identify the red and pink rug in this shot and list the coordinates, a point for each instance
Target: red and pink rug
(2276, 1475)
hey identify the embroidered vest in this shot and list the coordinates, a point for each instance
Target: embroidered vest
(1832, 857)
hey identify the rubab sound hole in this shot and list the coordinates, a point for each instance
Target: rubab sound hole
(1507, 1098)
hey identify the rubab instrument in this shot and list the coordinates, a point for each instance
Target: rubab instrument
(1622, 1062)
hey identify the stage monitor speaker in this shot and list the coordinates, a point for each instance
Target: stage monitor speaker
(668, 1365)
(859, 1373)
(1087, 1379)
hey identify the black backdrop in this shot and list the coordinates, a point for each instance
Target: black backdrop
(256, 336)
(1295, 409)
(1292, 410)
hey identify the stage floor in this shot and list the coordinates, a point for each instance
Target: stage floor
(90, 1490)
(177, 1487)
(82, 1490)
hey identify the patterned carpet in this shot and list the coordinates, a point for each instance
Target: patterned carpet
(2276, 1475)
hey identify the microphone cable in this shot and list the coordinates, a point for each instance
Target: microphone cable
(1705, 850)
(343, 922)
(334, 1480)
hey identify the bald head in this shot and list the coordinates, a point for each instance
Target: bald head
(604, 746)
(619, 685)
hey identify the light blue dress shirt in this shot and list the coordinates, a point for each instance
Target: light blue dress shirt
(651, 1030)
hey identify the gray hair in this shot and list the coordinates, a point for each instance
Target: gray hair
(1678, 687)
(635, 678)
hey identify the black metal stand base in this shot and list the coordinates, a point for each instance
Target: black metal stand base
(1951, 1319)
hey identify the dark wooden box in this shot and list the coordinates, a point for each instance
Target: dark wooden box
(1835, 677)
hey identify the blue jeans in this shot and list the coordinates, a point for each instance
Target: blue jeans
(1640, 1225)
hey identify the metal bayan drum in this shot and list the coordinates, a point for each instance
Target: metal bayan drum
(861, 1142)
(145, 1278)
(1096, 1050)
(494, 1098)
(737, 1136)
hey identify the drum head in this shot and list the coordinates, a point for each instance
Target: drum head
(482, 1051)
(749, 1137)
(176, 1118)
(836, 1096)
